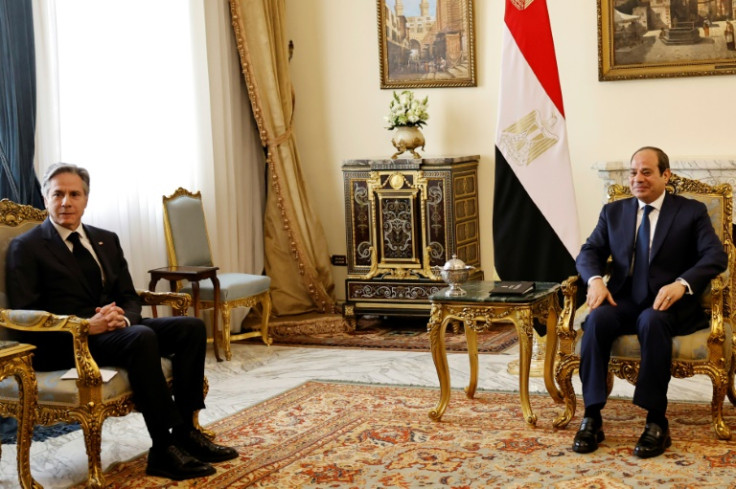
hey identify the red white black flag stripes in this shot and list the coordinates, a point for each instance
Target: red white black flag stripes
(535, 224)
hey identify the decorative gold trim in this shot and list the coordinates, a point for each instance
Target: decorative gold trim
(383, 185)
(12, 214)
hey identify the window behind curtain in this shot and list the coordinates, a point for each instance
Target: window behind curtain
(130, 79)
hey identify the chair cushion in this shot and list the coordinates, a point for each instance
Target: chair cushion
(233, 286)
(692, 347)
(52, 389)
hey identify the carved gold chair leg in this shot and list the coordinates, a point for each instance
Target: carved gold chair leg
(720, 388)
(91, 424)
(265, 317)
(225, 313)
(195, 422)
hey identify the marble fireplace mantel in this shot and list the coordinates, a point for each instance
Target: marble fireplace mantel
(710, 170)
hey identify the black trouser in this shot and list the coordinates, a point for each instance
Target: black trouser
(139, 348)
(654, 329)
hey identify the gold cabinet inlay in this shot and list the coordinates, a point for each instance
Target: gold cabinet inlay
(404, 217)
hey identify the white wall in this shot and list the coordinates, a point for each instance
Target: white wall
(340, 107)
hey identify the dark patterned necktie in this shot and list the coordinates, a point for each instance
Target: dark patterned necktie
(640, 277)
(87, 263)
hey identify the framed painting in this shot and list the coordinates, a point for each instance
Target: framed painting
(665, 38)
(426, 43)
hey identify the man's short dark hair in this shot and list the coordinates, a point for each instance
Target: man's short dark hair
(58, 168)
(663, 161)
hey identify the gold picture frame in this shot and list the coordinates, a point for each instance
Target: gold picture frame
(426, 43)
(665, 38)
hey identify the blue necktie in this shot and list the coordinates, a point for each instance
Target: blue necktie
(640, 277)
(87, 263)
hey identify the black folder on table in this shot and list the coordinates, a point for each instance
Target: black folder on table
(514, 287)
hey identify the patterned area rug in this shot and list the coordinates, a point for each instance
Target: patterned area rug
(345, 436)
(400, 334)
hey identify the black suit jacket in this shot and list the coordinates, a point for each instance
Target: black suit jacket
(42, 274)
(684, 245)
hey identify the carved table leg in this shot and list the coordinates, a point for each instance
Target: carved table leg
(526, 339)
(436, 327)
(551, 353)
(471, 337)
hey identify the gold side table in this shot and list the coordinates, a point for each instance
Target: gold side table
(478, 309)
(15, 360)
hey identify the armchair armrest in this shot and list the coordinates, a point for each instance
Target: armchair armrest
(178, 302)
(41, 321)
(565, 324)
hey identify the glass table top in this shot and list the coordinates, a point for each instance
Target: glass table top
(477, 291)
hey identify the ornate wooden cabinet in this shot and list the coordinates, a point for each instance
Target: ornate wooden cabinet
(403, 217)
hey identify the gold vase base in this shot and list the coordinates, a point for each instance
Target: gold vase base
(414, 155)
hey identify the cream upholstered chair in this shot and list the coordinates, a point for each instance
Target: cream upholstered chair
(708, 351)
(188, 244)
(87, 401)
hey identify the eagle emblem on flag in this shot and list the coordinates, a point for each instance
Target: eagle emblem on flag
(521, 4)
(526, 139)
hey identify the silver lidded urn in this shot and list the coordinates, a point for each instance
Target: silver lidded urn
(454, 273)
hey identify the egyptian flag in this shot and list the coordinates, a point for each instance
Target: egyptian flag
(535, 222)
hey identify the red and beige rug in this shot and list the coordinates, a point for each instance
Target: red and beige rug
(350, 436)
(399, 334)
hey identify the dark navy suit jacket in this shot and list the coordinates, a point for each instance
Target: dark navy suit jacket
(684, 245)
(42, 274)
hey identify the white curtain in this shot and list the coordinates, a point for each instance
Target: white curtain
(147, 95)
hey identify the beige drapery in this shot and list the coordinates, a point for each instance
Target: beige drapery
(296, 248)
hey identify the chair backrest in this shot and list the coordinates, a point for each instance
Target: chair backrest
(718, 199)
(15, 219)
(187, 241)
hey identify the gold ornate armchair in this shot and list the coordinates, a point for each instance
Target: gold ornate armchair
(88, 400)
(708, 351)
(188, 244)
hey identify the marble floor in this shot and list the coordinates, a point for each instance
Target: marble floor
(257, 372)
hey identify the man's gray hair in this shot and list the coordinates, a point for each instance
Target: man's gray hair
(58, 168)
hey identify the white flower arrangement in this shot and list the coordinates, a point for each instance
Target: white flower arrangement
(405, 110)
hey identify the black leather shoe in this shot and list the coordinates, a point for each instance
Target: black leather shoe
(588, 437)
(176, 464)
(654, 441)
(194, 442)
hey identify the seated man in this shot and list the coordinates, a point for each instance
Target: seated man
(664, 254)
(64, 267)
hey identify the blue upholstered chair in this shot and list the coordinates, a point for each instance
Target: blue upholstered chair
(188, 244)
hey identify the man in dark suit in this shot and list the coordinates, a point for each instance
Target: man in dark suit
(664, 253)
(65, 267)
